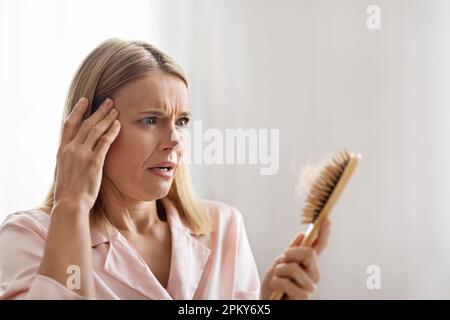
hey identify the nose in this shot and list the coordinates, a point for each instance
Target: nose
(173, 140)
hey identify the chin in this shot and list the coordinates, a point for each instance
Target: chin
(158, 193)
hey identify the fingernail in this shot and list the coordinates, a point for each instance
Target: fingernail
(81, 101)
(113, 111)
(108, 101)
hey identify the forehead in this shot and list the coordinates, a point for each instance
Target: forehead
(153, 90)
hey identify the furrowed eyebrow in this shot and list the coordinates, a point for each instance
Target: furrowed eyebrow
(185, 114)
(162, 114)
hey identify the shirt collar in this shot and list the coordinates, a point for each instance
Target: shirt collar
(188, 259)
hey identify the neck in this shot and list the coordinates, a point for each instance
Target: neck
(130, 215)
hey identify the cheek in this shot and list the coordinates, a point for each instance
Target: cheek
(180, 150)
(130, 148)
(184, 145)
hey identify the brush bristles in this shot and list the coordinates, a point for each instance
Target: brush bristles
(323, 186)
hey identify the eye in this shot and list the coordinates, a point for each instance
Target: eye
(149, 120)
(182, 122)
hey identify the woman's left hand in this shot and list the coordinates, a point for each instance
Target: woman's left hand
(296, 272)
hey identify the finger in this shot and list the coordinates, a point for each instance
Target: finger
(95, 118)
(297, 240)
(98, 130)
(299, 295)
(322, 239)
(73, 121)
(325, 224)
(295, 273)
(275, 263)
(291, 289)
(107, 139)
(278, 260)
(306, 257)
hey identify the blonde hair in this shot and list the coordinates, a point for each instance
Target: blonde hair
(109, 66)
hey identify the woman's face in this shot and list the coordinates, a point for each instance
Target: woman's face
(153, 113)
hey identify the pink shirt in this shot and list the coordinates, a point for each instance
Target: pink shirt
(222, 267)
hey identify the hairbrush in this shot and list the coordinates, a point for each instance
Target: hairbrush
(324, 192)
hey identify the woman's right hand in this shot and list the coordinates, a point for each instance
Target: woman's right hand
(82, 152)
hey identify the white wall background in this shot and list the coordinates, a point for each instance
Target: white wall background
(42, 44)
(311, 69)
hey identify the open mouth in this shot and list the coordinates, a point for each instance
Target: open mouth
(163, 172)
(163, 168)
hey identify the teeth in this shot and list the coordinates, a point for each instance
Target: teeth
(163, 168)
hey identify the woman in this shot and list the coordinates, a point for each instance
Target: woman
(120, 220)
